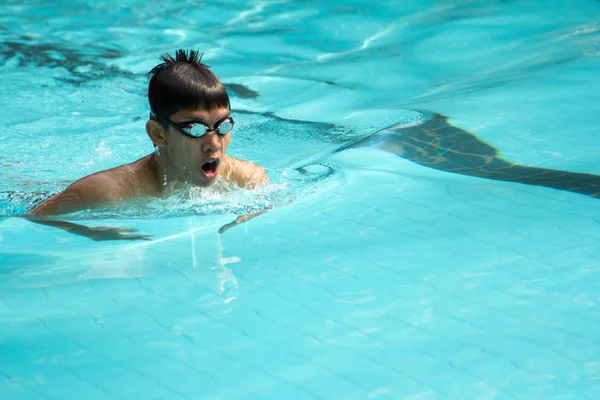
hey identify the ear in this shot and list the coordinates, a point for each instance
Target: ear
(156, 133)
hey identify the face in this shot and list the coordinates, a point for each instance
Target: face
(196, 160)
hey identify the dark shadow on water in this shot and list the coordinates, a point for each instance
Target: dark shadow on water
(440, 145)
(81, 65)
(242, 91)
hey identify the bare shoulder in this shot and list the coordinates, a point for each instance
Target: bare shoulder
(244, 173)
(101, 188)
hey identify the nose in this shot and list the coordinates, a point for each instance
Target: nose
(211, 142)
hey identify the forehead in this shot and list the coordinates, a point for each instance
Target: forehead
(203, 115)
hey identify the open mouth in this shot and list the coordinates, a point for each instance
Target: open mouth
(209, 168)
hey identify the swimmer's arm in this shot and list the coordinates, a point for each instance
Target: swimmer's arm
(245, 174)
(100, 233)
(258, 177)
(240, 219)
(89, 192)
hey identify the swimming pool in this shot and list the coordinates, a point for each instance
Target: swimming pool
(383, 278)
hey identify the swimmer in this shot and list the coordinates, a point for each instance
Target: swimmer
(190, 127)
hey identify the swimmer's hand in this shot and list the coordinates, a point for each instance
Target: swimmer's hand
(240, 219)
(100, 233)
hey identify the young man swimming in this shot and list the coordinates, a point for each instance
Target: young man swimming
(190, 126)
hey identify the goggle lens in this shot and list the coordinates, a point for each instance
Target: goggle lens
(198, 129)
(225, 127)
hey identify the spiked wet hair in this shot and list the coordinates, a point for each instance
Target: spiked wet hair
(184, 82)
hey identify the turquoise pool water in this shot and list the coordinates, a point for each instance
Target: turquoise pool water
(384, 278)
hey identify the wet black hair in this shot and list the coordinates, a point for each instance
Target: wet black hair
(184, 82)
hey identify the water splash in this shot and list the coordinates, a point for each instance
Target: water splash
(222, 198)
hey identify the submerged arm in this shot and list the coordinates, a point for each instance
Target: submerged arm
(240, 219)
(95, 233)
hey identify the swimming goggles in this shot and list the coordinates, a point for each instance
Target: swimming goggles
(196, 129)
